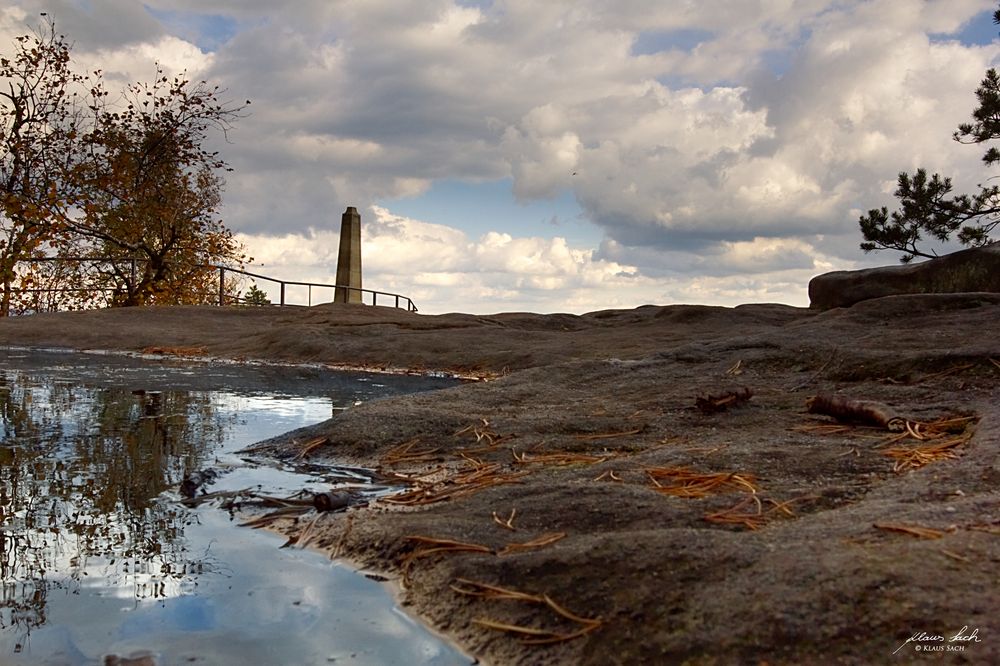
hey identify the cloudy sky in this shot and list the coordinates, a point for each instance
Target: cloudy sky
(566, 155)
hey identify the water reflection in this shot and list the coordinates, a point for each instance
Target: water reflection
(95, 558)
(81, 471)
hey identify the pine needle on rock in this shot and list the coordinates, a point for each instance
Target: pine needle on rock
(686, 482)
(540, 542)
(530, 635)
(912, 530)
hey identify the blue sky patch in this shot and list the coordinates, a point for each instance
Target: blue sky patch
(481, 4)
(649, 42)
(207, 31)
(477, 208)
(978, 31)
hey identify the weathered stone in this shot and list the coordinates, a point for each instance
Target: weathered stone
(349, 259)
(972, 270)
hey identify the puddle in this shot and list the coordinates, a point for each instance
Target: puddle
(97, 557)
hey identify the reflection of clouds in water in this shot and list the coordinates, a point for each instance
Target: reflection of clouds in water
(83, 470)
(128, 569)
(181, 614)
(271, 415)
(281, 607)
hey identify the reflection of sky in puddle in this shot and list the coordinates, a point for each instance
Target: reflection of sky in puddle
(97, 558)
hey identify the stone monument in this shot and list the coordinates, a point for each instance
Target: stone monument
(349, 259)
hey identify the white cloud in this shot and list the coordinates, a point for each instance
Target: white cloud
(442, 268)
(133, 62)
(730, 162)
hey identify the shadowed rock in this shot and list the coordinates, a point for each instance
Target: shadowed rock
(973, 270)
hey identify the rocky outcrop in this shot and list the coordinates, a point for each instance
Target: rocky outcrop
(973, 270)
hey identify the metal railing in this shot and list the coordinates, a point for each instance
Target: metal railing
(387, 298)
(397, 300)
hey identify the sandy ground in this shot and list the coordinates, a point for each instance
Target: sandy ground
(637, 526)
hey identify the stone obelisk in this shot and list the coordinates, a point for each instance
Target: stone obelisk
(349, 258)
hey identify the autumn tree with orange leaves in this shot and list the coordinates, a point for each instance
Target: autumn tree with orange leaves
(149, 192)
(123, 182)
(40, 123)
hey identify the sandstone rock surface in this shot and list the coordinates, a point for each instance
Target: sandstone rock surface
(819, 542)
(972, 270)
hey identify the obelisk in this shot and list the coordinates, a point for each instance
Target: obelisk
(349, 259)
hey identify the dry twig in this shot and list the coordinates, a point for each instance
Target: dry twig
(863, 412)
(720, 402)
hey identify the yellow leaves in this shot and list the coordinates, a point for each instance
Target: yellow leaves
(131, 179)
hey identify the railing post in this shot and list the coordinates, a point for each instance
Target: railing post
(282, 293)
(310, 295)
(374, 297)
(222, 286)
(397, 300)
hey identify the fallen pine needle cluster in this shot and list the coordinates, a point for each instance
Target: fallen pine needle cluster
(483, 433)
(426, 545)
(528, 635)
(559, 459)
(686, 482)
(941, 444)
(446, 484)
(942, 437)
(739, 515)
(406, 454)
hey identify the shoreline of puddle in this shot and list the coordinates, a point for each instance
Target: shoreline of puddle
(181, 355)
(170, 365)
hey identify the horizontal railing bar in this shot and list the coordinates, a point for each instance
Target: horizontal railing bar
(410, 307)
(309, 284)
(38, 290)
